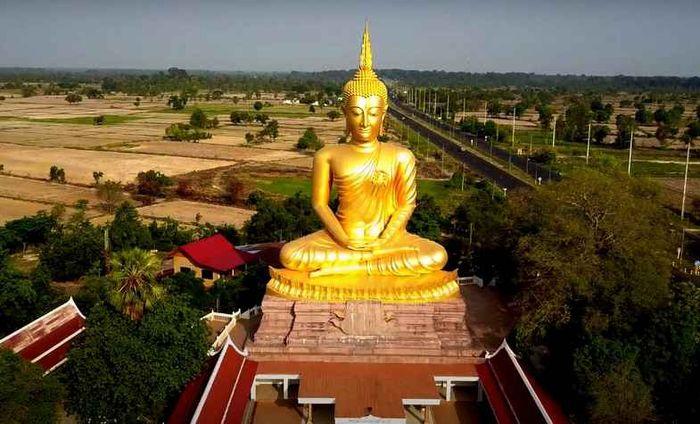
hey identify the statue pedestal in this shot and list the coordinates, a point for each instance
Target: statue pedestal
(363, 331)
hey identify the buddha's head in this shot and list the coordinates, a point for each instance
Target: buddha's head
(366, 99)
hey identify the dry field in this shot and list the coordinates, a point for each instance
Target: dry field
(186, 211)
(39, 132)
(34, 162)
(13, 209)
(45, 192)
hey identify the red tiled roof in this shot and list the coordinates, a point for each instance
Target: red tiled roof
(228, 389)
(511, 394)
(215, 253)
(192, 393)
(360, 389)
(47, 340)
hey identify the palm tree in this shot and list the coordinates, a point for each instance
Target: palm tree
(134, 275)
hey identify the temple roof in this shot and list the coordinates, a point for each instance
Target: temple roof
(47, 340)
(215, 253)
(514, 395)
(228, 388)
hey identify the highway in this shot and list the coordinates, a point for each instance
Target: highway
(477, 164)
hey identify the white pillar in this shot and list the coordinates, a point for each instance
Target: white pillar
(685, 180)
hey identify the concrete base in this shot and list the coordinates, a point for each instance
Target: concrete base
(363, 331)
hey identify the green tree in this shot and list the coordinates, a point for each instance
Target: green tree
(258, 105)
(111, 194)
(262, 118)
(28, 90)
(600, 132)
(577, 118)
(625, 127)
(74, 98)
(661, 116)
(190, 288)
(126, 371)
(333, 115)
(545, 115)
(271, 130)
(427, 219)
(134, 275)
(285, 220)
(97, 176)
(152, 183)
(309, 140)
(75, 250)
(26, 395)
(177, 102)
(57, 174)
(312, 108)
(198, 119)
(126, 230)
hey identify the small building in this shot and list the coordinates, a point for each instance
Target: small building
(209, 258)
(47, 340)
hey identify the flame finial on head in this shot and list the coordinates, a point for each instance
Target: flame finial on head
(366, 52)
(365, 82)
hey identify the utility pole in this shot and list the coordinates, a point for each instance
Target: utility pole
(513, 135)
(629, 160)
(463, 176)
(447, 117)
(554, 131)
(588, 144)
(685, 179)
(486, 112)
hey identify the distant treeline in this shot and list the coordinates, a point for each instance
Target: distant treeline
(151, 82)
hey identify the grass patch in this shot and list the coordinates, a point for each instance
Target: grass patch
(86, 120)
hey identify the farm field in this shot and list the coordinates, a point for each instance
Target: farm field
(45, 192)
(14, 208)
(186, 211)
(42, 131)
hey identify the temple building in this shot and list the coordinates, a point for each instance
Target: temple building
(237, 388)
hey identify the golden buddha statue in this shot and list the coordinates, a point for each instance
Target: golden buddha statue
(364, 252)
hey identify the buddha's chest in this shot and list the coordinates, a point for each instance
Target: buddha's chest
(355, 170)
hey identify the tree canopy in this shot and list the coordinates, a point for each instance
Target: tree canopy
(126, 371)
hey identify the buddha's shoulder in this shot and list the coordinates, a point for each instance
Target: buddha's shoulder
(401, 153)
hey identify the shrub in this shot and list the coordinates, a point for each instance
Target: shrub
(236, 190)
(74, 98)
(98, 120)
(184, 189)
(57, 174)
(249, 138)
(152, 183)
(110, 192)
(333, 115)
(258, 105)
(185, 132)
(309, 141)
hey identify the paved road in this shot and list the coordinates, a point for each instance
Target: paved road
(477, 164)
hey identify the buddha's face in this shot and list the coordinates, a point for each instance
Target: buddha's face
(364, 117)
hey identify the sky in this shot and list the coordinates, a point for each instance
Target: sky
(593, 37)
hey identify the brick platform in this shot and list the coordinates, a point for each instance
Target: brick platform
(363, 331)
